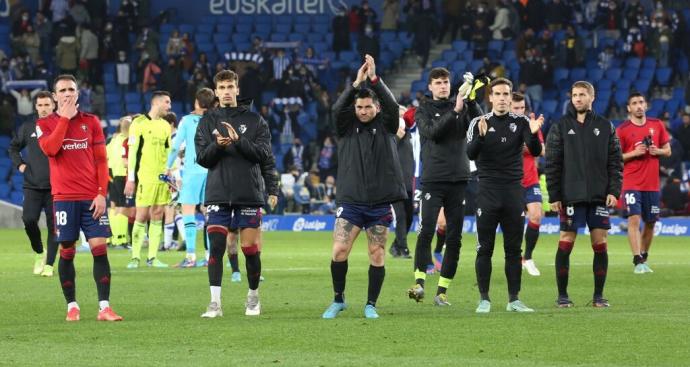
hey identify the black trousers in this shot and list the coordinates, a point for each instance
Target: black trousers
(403, 220)
(36, 201)
(502, 206)
(451, 197)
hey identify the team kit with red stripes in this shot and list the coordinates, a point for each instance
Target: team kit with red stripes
(584, 169)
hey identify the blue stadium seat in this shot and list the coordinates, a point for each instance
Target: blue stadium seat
(243, 28)
(475, 65)
(282, 28)
(621, 97)
(623, 85)
(186, 28)
(348, 56)
(320, 47)
(642, 85)
(601, 107)
(508, 55)
(459, 67)
(578, 74)
(630, 73)
(646, 73)
(321, 28)
(236, 38)
(242, 47)
(604, 95)
(633, 62)
(388, 36)
(604, 84)
(225, 29)
(496, 45)
(204, 28)
(209, 19)
(549, 106)
(314, 37)
(657, 104)
(262, 20)
(673, 105)
(166, 28)
(279, 37)
(302, 19)
(449, 55)
(296, 37)
(206, 47)
(560, 74)
(418, 86)
(460, 45)
(17, 181)
(133, 97)
(439, 64)
(649, 62)
(663, 76)
(594, 75)
(203, 37)
(114, 108)
(247, 19)
(302, 28)
(283, 20)
(613, 74)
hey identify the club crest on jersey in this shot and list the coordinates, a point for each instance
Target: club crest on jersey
(83, 127)
(651, 131)
(243, 128)
(427, 196)
(512, 127)
(479, 212)
(596, 131)
(339, 212)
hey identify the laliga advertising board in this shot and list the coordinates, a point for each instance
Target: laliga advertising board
(550, 225)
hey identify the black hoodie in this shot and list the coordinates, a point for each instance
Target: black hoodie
(236, 173)
(584, 163)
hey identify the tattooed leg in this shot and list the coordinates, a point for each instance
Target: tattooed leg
(377, 236)
(344, 236)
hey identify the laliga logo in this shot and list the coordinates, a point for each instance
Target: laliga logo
(673, 229)
(302, 224)
(270, 225)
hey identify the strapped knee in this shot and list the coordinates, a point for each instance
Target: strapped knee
(566, 246)
(250, 250)
(599, 248)
(68, 253)
(99, 250)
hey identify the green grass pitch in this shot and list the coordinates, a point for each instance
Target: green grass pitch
(647, 325)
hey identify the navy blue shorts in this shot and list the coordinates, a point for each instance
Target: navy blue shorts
(365, 216)
(532, 194)
(574, 217)
(72, 216)
(234, 217)
(644, 203)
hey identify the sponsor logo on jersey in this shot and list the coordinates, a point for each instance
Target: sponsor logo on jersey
(74, 144)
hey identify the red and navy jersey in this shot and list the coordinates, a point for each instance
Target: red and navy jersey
(73, 166)
(530, 175)
(642, 173)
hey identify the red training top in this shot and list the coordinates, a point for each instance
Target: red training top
(530, 175)
(641, 173)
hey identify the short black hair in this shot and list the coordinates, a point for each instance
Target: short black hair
(367, 93)
(160, 93)
(43, 94)
(635, 95)
(518, 97)
(500, 81)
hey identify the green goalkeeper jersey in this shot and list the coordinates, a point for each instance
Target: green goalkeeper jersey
(149, 145)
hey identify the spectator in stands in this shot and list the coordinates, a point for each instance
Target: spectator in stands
(171, 79)
(452, 13)
(129, 11)
(661, 39)
(67, 55)
(481, 35)
(251, 89)
(324, 122)
(270, 119)
(6, 116)
(6, 74)
(405, 98)
(98, 10)
(41, 71)
(354, 20)
(25, 106)
(546, 46)
(291, 85)
(313, 63)
(187, 51)
(44, 29)
(60, 9)
(367, 15)
(31, 43)
(122, 74)
(328, 159)
(107, 49)
(610, 18)
(636, 16)
(149, 71)
(298, 157)
(368, 43)
(147, 41)
(534, 72)
(531, 13)
(571, 49)
(88, 54)
(423, 28)
(175, 45)
(22, 24)
(526, 41)
(280, 63)
(558, 14)
(341, 34)
(391, 12)
(328, 207)
(683, 135)
(501, 22)
(78, 13)
(197, 82)
(671, 166)
(466, 20)
(606, 58)
(634, 45)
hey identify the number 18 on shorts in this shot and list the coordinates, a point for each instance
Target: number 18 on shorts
(72, 216)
